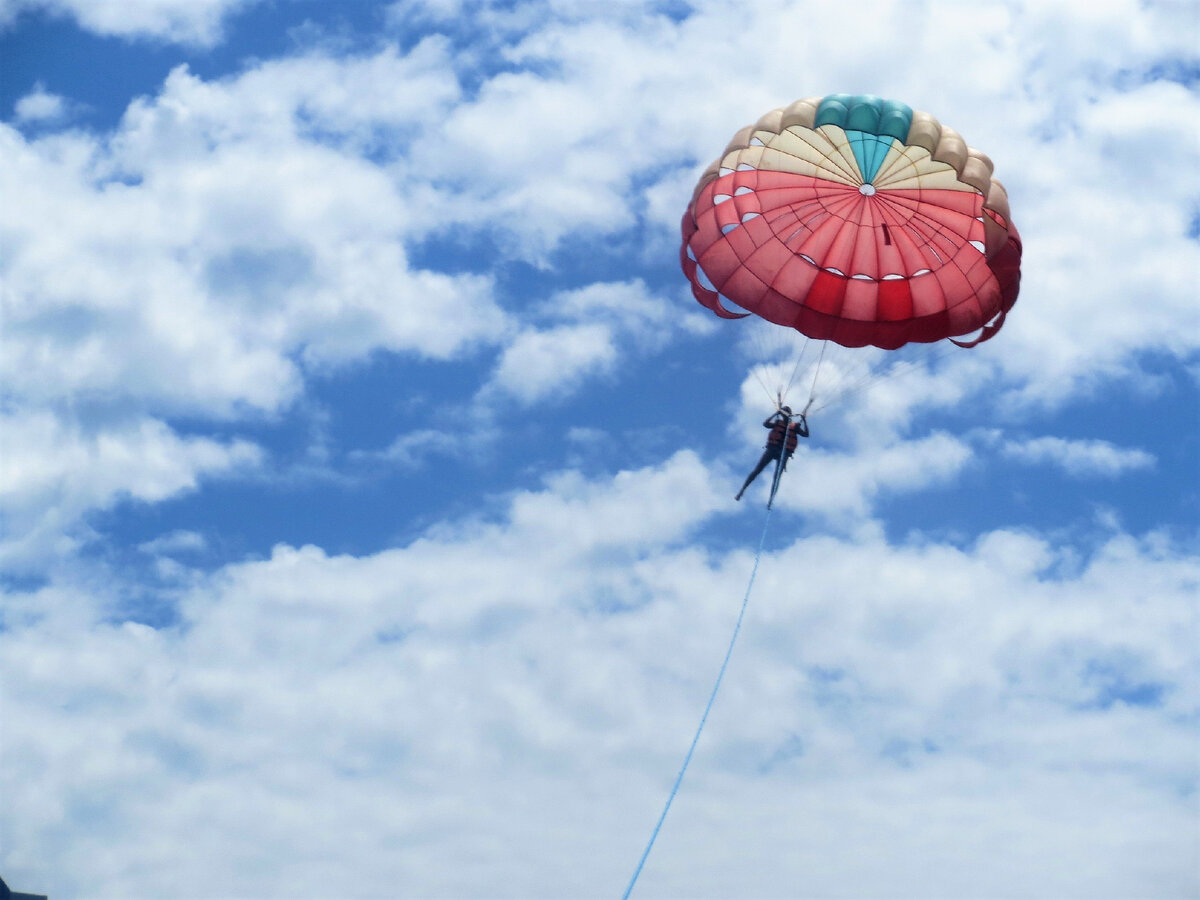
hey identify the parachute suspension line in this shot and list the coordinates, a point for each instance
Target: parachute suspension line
(763, 353)
(795, 368)
(761, 382)
(872, 378)
(707, 709)
(812, 391)
(772, 382)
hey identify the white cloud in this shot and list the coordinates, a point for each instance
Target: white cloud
(604, 322)
(577, 515)
(178, 541)
(847, 484)
(542, 364)
(1079, 458)
(232, 244)
(563, 148)
(412, 448)
(179, 21)
(504, 701)
(611, 99)
(40, 105)
(52, 472)
(630, 307)
(520, 691)
(229, 239)
(233, 234)
(1108, 275)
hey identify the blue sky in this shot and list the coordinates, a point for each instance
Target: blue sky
(368, 468)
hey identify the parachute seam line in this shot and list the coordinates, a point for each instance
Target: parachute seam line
(825, 155)
(708, 708)
(941, 229)
(884, 175)
(877, 221)
(852, 169)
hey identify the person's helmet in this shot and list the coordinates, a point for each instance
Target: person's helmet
(787, 410)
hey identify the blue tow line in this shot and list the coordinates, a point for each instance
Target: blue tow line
(713, 696)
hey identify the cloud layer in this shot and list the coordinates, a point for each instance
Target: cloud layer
(232, 237)
(493, 709)
(470, 215)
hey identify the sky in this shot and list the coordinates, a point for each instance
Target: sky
(367, 468)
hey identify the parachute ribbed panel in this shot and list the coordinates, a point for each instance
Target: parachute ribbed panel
(854, 219)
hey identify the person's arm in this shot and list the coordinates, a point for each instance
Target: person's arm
(802, 425)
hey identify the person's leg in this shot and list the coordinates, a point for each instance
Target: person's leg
(766, 458)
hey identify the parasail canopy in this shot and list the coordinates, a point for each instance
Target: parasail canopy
(857, 220)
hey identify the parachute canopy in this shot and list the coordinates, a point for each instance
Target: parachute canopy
(857, 220)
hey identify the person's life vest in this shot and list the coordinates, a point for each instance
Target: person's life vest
(775, 438)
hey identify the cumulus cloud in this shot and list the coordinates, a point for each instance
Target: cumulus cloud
(593, 328)
(517, 691)
(197, 22)
(1128, 252)
(414, 449)
(227, 241)
(53, 471)
(841, 484)
(40, 105)
(539, 364)
(233, 235)
(230, 244)
(178, 541)
(503, 700)
(570, 135)
(1079, 458)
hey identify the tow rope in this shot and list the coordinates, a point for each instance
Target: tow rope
(713, 696)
